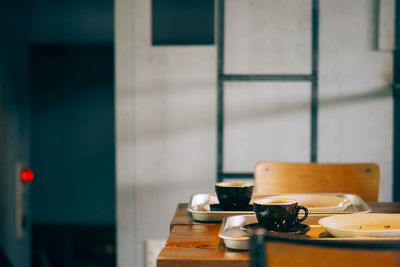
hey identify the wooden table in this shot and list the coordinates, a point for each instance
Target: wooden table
(197, 244)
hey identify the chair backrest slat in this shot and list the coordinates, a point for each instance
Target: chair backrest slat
(301, 255)
(278, 251)
(282, 178)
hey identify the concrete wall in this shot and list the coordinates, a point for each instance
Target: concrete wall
(356, 100)
(14, 127)
(166, 105)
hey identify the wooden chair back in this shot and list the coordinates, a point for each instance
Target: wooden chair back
(306, 253)
(283, 178)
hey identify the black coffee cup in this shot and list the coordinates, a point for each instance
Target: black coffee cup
(278, 214)
(234, 195)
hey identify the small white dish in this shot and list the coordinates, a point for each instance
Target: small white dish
(362, 225)
(319, 203)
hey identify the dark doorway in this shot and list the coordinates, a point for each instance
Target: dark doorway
(73, 155)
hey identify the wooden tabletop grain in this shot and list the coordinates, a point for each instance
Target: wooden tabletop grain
(197, 244)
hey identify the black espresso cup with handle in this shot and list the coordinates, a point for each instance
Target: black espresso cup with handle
(234, 195)
(278, 214)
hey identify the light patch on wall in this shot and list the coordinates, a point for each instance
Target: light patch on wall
(153, 248)
(386, 25)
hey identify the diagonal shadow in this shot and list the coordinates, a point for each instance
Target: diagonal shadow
(199, 123)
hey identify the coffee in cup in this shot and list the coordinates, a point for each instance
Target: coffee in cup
(234, 195)
(278, 214)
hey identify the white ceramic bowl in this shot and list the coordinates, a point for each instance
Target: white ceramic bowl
(362, 225)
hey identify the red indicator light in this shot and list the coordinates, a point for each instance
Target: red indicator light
(26, 176)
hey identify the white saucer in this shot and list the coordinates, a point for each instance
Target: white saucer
(319, 203)
(362, 225)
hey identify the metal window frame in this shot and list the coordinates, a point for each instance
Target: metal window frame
(222, 77)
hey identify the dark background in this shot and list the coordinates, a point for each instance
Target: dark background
(182, 22)
(72, 154)
(72, 132)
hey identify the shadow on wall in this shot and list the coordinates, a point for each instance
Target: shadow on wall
(154, 131)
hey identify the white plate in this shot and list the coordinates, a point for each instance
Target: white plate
(319, 203)
(362, 225)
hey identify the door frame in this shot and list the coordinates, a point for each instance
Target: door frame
(396, 105)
